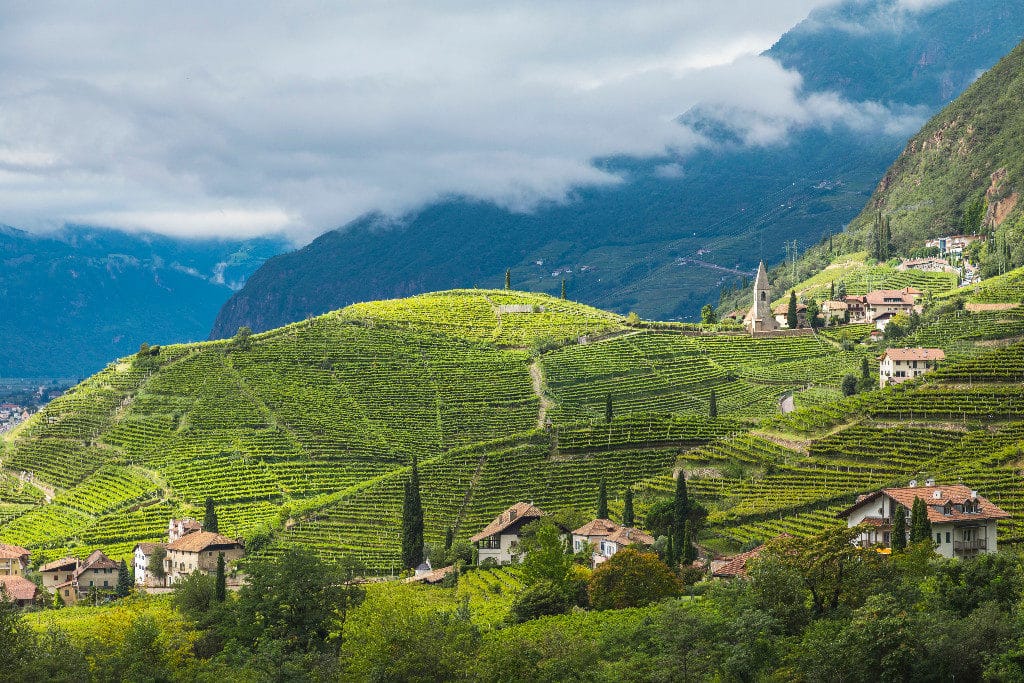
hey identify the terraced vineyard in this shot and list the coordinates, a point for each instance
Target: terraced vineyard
(310, 430)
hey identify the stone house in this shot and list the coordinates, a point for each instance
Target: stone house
(781, 313)
(198, 551)
(891, 301)
(499, 540)
(74, 579)
(899, 365)
(176, 528)
(963, 523)
(607, 538)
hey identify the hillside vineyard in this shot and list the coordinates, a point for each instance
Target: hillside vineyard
(305, 434)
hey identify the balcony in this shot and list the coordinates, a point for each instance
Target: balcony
(968, 546)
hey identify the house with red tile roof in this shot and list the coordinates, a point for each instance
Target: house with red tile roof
(19, 590)
(734, 567)
(499, 540)
(198, 552)
(13, 560)
(963, 522)
(898, 365)
(892, 301)
(607, 538)
(73, 578)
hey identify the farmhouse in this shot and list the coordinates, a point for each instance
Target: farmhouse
(952, 244)
(781, 313)
(607, 538)
(20, 590)
(176, 528)
(899, 365)
(13, 560)
(963, 523)
(499, 540)
(734, 567)
(759, 318)
(73, 579)
(198, 551)
(833, 310)
(891, 301)
(857, 306)
(140, 560)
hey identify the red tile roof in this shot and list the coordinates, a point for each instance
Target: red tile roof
(198, 541)
(514, 514)
(905, 296)
(736, 566)
(19, 588)
(12, 552)
(605, 528)
(97, 560)
(434, 576)
(60, 565)
(148, 548)
(917, 353)
(953, 494)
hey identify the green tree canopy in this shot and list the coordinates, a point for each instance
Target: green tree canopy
(631, 578)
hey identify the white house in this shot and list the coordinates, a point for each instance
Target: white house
(607, 538)
(176, 528)
(963, 523)
(499, 540)
(899, 365)
(891, 301)
(140, 559)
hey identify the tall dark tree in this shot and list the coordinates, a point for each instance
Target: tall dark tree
(602, 501)
(680, 514)
(899, 529)
(627, 508)
(920, 527)
(449, 538)
(221, 587)
(412, 521)
(832, 291)
(670, 549)
(713, 404)
(210, 517)
(792, 319)
(688, 553)
(508, 278)
(563, 289)
(124, 580)
(865, 368)
(608, 414)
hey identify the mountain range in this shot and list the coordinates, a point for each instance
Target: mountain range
(75, 299)
(677, 230)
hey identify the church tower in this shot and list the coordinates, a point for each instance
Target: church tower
(760, 318)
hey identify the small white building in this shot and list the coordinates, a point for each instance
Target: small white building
(499, 540)
(140, 559)
(963, 523)
(899, 365)
(607, 538)
(176, 528)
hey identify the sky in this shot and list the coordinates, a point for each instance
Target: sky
(237, 119)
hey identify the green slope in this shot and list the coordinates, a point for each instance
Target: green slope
(307, 432)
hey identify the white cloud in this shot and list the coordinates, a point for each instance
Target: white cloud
(238, 119)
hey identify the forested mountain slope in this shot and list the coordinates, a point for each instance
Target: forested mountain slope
(72, 300)
(657, 242)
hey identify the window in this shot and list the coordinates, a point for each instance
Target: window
(947, 537)
(938, 538)
(105, 584)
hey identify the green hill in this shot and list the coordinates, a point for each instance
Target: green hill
(305, 434)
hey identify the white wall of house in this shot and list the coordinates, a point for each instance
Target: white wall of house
(505, 553)
(897, 371)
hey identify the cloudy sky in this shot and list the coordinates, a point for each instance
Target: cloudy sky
(226, 119)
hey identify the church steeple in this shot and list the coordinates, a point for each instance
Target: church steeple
(760, 317)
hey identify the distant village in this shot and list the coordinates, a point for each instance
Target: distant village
(19, 401)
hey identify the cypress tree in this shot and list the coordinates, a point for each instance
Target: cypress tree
(412, 521)
(865, 368)
(627, 508)
(920, 527)
(563, 289)
(713, 405)
(608, 414)
(222, 579)
(602, 501)
(449, 538)
(888, 237)
(689, 551)
(832, 291)
(899, 529)
(670, 549)
(124, 580)
(792, 320)
(210, 517)
(680, 512)
(508, 278)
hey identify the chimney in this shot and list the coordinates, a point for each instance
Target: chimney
(930, 482)
(913, 483)
(937, 494)
(974, 495)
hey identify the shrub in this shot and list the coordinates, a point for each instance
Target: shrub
(632, 579)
